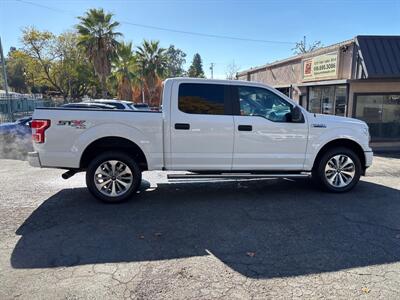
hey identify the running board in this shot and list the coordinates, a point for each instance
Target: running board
(235, 176)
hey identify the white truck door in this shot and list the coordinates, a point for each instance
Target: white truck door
(265, 136)
(201, 127)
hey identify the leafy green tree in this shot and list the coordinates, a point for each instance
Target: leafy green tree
(124, 71)
(40, 46)
(98, 38)
(56, 62)
(73, 68)
(176, 58)
(16, 72)
(152, 63)
(32, 72)
(196, 68)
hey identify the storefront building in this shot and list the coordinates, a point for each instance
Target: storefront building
(357, 78)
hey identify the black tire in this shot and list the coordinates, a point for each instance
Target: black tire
(320, 178)
(113, 156)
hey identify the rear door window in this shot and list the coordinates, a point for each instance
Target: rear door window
(208, 99)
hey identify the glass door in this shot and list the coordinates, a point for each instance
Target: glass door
(327, 100)
(340, 100)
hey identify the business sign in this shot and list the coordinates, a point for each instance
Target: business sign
(321, 67)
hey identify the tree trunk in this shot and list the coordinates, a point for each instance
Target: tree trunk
(125, 89)
(103, 83)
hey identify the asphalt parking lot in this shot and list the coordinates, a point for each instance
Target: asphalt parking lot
(228, 240)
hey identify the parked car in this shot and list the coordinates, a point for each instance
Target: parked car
(118, 104)
(16, 138)
(123, 104)
(206, 128)
(142, 106)
(88, 105)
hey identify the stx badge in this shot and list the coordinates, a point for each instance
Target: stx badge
(78, 124)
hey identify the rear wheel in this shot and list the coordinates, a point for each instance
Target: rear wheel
(113, 177)
(338, 170)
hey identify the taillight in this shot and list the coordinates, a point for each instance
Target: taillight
(38, 129)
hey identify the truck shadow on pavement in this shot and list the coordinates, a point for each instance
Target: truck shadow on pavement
(261, 229)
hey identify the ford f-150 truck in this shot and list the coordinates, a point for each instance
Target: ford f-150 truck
(212, 128)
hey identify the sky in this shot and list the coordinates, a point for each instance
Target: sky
(275, 25)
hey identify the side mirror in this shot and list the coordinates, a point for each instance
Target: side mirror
(297, 115)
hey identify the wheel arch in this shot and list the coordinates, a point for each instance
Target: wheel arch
(344, 143)
(113, 143)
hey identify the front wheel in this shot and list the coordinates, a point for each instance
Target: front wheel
(338, 170)
(113, 177)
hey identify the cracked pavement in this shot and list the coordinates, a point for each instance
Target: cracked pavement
(248, 239)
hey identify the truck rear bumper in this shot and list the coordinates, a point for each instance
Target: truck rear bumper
(34, 160)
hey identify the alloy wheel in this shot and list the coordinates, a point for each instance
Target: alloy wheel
(340, 171)
(113, 178)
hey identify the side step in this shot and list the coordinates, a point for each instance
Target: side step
(236, 176)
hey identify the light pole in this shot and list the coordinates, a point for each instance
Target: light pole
(3, 64)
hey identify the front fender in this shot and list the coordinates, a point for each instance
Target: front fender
(318, 139)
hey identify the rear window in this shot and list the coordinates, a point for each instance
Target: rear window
(205, 99)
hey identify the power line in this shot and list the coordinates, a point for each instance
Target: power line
(45, 6)
(207, 34)
(217, 36)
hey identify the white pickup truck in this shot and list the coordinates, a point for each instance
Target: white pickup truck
(212, 128)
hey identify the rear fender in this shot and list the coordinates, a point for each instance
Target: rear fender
(150, 149)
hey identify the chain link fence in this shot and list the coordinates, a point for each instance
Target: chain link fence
(21, 106)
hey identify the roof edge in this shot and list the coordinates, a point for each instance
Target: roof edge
(296, 57)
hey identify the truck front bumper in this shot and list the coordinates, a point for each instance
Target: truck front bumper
(34, 160)
(368, 158)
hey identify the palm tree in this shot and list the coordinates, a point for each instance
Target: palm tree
(152, 62)
(124, 71)
(98, 38)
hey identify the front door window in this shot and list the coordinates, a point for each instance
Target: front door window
(256, 101)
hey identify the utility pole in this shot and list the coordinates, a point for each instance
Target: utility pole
(212, 69)
(3, 64)
(304, 43)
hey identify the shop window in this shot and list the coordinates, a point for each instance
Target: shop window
(328, 99)
(382, 114)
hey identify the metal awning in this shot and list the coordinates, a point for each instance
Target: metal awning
(380, 55)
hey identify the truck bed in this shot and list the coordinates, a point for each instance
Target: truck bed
(72, 130)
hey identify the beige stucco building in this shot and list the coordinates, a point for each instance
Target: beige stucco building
(356, 78)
